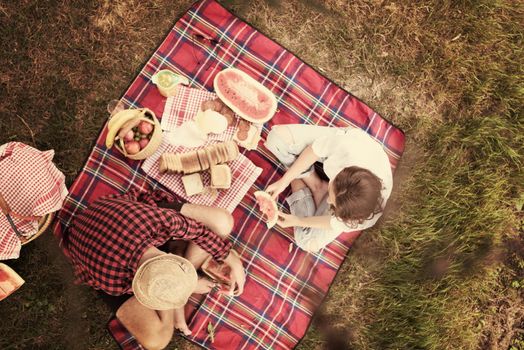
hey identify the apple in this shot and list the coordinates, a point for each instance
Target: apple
(129, 136)
(132, 147)
(143, 143)
(145, 127)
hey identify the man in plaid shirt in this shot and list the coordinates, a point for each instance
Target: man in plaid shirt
(111, 238)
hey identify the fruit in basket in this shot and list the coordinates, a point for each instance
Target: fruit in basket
(126, 130)
(245, 96)
(268, 207)
(129, 136)
(132, 147)
(143, 143)
(145, 127)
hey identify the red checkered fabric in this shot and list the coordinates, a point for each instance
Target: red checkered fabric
(178, 110)
(184, 107)
(284, 286)
(32, 186)
(107, 240)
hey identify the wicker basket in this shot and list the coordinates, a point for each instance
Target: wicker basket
(43, 222)
(43, 225)
(154, 142)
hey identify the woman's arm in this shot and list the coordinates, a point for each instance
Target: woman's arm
(321, 222)
(303, 162)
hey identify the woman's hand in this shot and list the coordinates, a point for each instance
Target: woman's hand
(276, 188)
(237, 274)
(288, 220)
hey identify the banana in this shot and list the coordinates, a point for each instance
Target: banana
(116, 122)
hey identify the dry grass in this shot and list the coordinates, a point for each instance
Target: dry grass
(431, 276)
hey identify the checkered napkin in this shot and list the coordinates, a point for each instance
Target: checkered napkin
(184, 107)
(32, 186)
(178, 110)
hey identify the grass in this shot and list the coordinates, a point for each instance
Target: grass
(445, 269)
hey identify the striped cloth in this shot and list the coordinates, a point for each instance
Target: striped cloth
(284, 285)
(178, 110)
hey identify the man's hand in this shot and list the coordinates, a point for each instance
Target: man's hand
(237, 274)
(288, 220)
(276, 188)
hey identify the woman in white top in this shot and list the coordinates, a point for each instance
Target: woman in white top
(360, 181)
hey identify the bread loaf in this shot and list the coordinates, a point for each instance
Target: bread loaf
(202, 159)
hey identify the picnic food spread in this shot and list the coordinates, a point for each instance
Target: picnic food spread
(267, 315)
(211, 157)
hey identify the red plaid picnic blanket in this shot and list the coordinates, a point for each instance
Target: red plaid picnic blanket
(284, 286)
(178, 110)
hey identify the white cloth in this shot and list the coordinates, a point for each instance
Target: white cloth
(354, 147)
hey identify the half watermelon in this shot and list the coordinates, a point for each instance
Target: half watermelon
(268, 207)
(245, 96)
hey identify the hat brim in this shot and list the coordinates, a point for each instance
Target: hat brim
(165, 263)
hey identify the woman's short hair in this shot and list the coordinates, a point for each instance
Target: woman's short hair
(357, 195)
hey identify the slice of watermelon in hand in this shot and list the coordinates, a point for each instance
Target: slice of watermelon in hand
(268, 207)
(10, 281)
(218, 272)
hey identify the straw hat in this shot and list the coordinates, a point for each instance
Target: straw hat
(165, 282)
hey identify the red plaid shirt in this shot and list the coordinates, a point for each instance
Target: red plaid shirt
(107, 239)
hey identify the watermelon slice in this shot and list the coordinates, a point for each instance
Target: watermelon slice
(245, 96)
(10, 281)
(268, 207)
(217, 272)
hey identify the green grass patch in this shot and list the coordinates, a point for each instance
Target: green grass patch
(451, 240)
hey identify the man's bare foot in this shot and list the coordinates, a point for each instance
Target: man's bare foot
(318, 187)
(204, 285)
(181, 325)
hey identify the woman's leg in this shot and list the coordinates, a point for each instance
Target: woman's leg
(314, 239)
(287, 141)
(318, 187)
